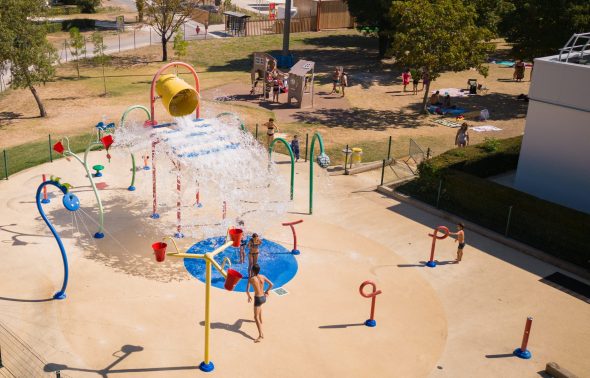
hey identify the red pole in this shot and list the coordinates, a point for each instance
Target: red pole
(155, 214)
(527, 331)
(431, 263)
(178, 203)
(295, 251)
(371, 321)
(45, 199)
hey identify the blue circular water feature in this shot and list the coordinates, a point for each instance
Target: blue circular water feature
(276, 262)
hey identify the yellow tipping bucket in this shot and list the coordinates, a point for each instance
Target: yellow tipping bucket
(178, 97)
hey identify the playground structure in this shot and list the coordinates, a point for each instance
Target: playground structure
(232, 277)
(262, 64)
(71, 203)
(301, 81)
(105, 141)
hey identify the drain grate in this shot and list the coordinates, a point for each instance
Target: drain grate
(280, 291)
(568, 285)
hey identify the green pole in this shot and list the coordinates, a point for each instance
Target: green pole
(306, 142)
(5, 166)
(256, 135)
(346, 160)
(382, 172)
(121, 124)
(50, 154)
(270, 148)
(388, 150)
(317, 136)
(132, 186)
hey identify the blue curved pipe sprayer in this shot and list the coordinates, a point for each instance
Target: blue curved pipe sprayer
(70, 202)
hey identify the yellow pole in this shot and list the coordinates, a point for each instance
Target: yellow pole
(207, 321)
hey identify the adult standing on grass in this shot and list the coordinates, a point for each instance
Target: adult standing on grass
(460, 234)
(335, 80)
(343, 81)
(257, 280)
(462, 137)
(271, 128)
(406, 77)
(519, 69)
(415, 82)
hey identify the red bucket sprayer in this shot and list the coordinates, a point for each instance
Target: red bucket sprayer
(232, 279)
(159, 250)
(235, 235)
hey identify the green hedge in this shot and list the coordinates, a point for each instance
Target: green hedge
(557, 230)
(81, 23)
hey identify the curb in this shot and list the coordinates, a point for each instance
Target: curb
(521, 247)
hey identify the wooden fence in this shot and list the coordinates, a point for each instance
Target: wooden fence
(334, 15)
(266, 27)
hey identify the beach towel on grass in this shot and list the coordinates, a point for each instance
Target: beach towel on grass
(447, 123)
(433, 109)
(453, 92)
(483, 128)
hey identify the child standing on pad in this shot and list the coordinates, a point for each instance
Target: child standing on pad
(253, 245)
(295, 147)
(460, 234)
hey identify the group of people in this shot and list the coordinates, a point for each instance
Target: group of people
(407, 77)
(437, 100)
(272, 128)
(275, 82)
(339, 80)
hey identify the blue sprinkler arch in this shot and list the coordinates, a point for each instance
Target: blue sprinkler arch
(71, 203)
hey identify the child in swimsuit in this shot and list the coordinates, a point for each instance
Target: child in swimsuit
(253, 245)
(257, 281)
(271, 128)
(460, 234)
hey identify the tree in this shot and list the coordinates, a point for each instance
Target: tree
(541, 27)
(140, 5)
(180, 44)
(77, 46)
(373, 17)
(100, 56)
(23, 47)
(166, 16)
(438, 36)
(490, 12)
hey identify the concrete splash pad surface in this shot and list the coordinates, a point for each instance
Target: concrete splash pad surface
(122, 303)
(145, 318)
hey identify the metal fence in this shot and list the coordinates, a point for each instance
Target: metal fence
(268, 27)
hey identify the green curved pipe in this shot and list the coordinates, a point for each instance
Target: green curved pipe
(270, 148)
(317, 136)
(84, 163)
(235, 115)
(121, 124)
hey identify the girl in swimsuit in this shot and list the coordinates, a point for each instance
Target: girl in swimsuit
(253, 245)
(271, 127)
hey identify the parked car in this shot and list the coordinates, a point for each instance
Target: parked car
(210, 8)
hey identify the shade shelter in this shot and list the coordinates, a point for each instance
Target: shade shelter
(235, 23)
(301, 80)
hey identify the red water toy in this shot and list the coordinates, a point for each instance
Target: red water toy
(371, 321)
(431, 263)
(295, 251)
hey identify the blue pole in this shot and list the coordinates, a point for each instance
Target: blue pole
(61, 294)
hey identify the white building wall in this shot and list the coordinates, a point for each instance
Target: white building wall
(554, 162)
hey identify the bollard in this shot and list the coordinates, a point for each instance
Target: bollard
(431, 263)
(522, 352)
(371, 321)
(382, 172)
(294, 251)
(345, 160)
(45, 199)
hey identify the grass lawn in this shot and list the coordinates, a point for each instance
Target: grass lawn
(371, 116)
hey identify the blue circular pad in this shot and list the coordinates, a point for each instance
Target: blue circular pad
(276, 262)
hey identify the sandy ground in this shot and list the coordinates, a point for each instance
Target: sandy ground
(126, 314)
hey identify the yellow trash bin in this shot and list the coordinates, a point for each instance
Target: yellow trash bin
(357, 155)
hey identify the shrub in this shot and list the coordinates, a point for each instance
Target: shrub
(491, 144)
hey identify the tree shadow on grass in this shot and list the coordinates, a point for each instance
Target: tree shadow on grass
(4, 116)
(502, 106)
(356, 53)
(360, 119)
